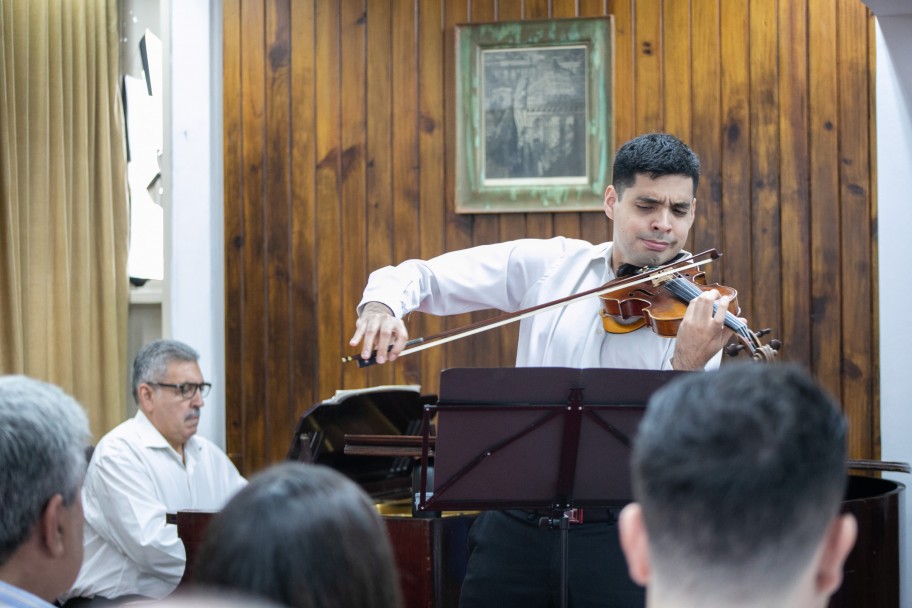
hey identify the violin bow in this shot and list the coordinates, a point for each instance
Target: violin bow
(649, 274)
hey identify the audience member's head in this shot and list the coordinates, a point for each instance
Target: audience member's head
(43, 437)
(168, 387)
(304, 536)
(738, 476)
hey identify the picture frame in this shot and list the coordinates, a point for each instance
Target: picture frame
(534, 115)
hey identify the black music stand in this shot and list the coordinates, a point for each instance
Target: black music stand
(535, 438)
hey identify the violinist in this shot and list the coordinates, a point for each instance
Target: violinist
(652, 204)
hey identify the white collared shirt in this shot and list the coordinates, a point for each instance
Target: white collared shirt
(16, 597)
(519, 274)
(134, 479)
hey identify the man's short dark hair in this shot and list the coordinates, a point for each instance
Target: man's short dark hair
(738, 473)
(655, 155)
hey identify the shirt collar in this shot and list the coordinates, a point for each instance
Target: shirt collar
(602, 253)
(10, 595)
(150, 437)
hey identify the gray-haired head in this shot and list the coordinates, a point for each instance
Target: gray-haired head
(151, 362)
(43, 436)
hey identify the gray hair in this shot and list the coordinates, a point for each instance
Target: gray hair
(43, 437)
(151, 362)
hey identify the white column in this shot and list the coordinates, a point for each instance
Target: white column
(894, 200)
(194, 310)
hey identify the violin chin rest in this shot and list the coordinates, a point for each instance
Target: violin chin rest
(617, 325)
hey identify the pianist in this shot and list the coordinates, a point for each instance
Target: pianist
(146, 467)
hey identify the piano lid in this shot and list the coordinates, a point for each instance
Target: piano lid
(386, 410)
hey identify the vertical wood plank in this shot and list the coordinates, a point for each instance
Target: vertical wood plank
(795, 291)
(707, 128)
(482, 350)
(353, 169)
(431, 114)
(459, 227)
(826, 285)
(568, 224)
(405, 158)
(874, 371)
(595, 226)
(538, 225)
(277, 217)
(303, 322)
(328, 222)
(233, 164)
(676, 68)
(512, 225)
(254, 296)
(379, 178)
(735, 157)
(858, 327)
(766, 239)
(647, 65)
(625, 95)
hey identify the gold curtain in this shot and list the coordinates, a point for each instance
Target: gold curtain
(63, 201)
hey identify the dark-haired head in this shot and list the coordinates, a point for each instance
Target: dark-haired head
(304, 536)
(654, 155)
(739, 473)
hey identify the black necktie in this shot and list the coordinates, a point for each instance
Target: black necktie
(629, 270)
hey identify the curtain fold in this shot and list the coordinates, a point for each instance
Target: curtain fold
(63, 201)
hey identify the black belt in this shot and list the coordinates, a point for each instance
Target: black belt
(587, 515)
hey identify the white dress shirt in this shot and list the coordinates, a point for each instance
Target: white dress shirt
(520, 274)
(14, 597)
(134, 479)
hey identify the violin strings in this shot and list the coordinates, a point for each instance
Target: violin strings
(687, 291)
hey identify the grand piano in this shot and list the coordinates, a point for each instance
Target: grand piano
(371, 436)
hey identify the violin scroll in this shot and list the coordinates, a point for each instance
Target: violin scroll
(763, 353)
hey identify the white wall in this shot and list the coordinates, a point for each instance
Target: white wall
(193, 307)
(894, 200)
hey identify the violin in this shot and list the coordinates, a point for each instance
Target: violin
(662, 302)
(656, 297)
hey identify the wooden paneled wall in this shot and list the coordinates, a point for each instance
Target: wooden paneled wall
(339, 154)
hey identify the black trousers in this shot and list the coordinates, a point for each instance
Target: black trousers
(513, 562)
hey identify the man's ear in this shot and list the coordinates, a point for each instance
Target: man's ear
(635, 542)
(52, 527)
(611, 197)
(837, 543)
(143, 396)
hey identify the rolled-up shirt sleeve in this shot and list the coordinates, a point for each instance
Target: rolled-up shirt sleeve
(489, 276)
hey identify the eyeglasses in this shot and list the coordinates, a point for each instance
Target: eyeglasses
(188, 389)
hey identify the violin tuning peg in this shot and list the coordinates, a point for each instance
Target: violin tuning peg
(732, 350)
(776, 344)
(763, 332)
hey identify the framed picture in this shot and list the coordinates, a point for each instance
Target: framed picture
(534, 115)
